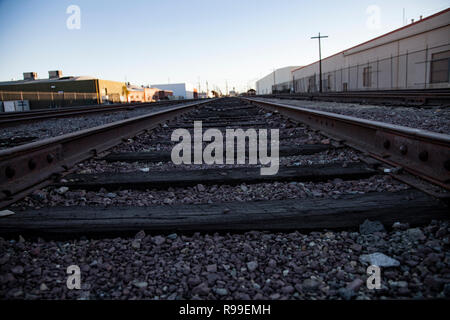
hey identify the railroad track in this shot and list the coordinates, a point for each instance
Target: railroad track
(422, 153)
(28, 167)
(119, 180)
(22, 128)
(8, 119)
(412, 98)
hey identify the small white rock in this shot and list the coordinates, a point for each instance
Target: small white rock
(62, 190)
(142, 284)
(379, 259)
(5, 213)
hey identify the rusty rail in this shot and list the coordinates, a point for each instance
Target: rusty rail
(423, 153)
(25, 167)
(417, 98)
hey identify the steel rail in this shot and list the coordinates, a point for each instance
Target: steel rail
(14, 118)
(368, 95)
(24, 167)
(422, 153)
(444, 91)
(14, 114)
(415, 98)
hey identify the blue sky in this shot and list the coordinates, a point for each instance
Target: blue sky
(149, 42)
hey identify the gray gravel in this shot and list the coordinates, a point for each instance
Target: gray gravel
(50, 197)
(432, 119)
(342, 155)
(253, 265)
(59, 126)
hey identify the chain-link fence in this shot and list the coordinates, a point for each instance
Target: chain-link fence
(39, 99)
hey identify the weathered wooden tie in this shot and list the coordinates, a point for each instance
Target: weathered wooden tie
(165, 155)
(221, 124)
(234, 176)
(349, 211)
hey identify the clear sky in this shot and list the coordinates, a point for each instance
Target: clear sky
(150, 42)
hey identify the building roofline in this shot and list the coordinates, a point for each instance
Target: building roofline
(379, 37)
(269, 74)
(168, 84)
(55, 80)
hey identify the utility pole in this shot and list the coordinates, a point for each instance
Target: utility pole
(274, 83)
(320, 60)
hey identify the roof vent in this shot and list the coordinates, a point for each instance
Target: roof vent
(29, 76)
(55, 74)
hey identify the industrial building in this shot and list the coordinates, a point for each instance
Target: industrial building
(146, 94)
(139, 94)
(59, 91)
(280, 77)
(416, 56)
(180, 90)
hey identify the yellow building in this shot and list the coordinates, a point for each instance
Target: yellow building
(59, 91)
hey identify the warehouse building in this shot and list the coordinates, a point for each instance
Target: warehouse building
(180, 90)
(140, 94)
(59, 91)
(416, 56)
(145, 94)
(280, 79)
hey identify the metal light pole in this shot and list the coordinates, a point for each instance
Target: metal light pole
(320, 60)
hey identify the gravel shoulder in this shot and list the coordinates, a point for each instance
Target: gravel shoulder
(433, 119)
(51, 196)
(55, 127)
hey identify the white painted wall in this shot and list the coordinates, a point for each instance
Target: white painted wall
(184, 90)
(15, 106)
(282, 75)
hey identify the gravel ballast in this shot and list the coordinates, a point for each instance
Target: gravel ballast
(253, 265)
(63, 196)
(434, 119)
(344, 155)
